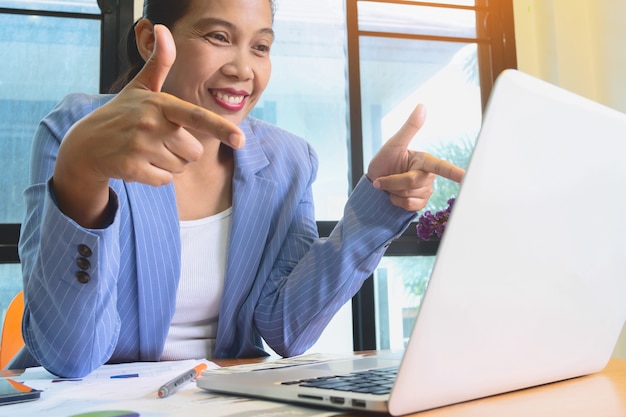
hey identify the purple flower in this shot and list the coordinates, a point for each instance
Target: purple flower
(432, 224)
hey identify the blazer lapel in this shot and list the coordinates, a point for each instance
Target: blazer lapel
(250, 224)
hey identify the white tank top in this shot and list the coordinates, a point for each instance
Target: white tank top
(204, 244)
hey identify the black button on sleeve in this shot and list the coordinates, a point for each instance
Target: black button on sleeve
(82, 277)
(83, 264)
(84, 251)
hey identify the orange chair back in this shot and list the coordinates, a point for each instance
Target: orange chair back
(12, 341)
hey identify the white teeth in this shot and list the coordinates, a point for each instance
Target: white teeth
(228, 98)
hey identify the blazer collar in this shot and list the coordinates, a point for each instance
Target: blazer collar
(253, 194)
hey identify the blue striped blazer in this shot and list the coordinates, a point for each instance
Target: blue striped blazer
(282, 283)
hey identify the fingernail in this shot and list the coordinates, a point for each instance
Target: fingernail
(237, 141)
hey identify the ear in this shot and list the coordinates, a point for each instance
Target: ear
(144, 35)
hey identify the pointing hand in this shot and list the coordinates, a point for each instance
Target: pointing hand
(405, 174)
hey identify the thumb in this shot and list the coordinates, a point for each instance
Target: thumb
(155, 70)
(409, 129)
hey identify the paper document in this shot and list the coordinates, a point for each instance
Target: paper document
(134, 387)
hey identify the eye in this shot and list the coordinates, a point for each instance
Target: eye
(217, 37)
(262, 49)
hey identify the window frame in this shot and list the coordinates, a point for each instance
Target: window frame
(495, 38)
(117, 18)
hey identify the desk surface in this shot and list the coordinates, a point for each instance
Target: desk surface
(598, 395)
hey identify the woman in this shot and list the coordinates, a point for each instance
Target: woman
(164, 223)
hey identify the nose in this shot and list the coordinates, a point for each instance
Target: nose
(239, 66)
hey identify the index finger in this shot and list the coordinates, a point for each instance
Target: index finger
(442, 168)
(409, 129)
(189, 115)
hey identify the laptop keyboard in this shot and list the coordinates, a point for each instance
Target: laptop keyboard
(372, 381)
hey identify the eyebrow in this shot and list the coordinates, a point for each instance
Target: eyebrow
(213, 21)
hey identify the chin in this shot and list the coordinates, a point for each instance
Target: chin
(236, 117)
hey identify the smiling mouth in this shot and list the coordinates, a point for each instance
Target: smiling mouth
(232, 99)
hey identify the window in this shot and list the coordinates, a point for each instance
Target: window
(397, 53)
(307, 91)
(48, 49)
(445, 55)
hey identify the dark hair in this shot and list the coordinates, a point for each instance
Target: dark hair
(164, 12)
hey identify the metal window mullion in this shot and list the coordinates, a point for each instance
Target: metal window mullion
(116, 21)
(355, 122)
(422, 37)
(426, 4)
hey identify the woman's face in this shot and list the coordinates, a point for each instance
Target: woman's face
(222, 55)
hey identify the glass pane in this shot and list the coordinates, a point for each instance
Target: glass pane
(307, 92)
(43, 59)
(76, 6)
(10, 284)
(398, 74)
(416, 20)
(399, 285)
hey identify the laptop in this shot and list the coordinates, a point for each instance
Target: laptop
(529, 284)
